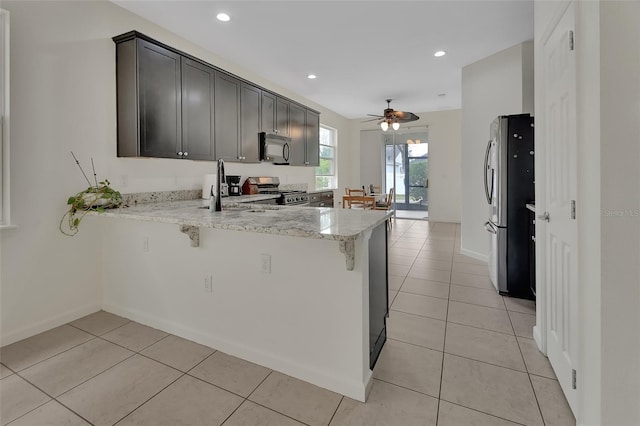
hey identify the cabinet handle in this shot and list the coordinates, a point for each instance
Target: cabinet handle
(185, 154)
(180, 153)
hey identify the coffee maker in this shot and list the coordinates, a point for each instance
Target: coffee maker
(234, 185)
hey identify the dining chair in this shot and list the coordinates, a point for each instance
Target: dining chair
(361, 202)
(386, 204)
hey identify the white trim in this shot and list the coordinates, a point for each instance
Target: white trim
(5, 214)
(474, 255)
(47, 324)
(334, 132)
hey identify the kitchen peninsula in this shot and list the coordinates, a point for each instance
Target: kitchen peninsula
(297, 289)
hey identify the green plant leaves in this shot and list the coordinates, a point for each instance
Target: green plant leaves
(95, 198)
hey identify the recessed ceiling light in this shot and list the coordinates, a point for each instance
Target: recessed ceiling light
(439, 53)
(312, 76)
(223, 17)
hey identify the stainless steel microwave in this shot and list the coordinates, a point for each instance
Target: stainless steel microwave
(274, 148)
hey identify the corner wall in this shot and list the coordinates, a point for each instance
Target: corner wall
(63, 98)
(498, 85)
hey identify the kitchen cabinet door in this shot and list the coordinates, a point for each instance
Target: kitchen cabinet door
(297, 134)
(312, 139)
(159, 101)
(282, 117)
(198, 82)
(227, 117)
(268, 113)
(250, 101)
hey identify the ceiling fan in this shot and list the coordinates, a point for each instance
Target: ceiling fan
(392, 117)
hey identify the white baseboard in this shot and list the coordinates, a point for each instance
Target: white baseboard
(352, 389)
(47, 324)
(475, 255)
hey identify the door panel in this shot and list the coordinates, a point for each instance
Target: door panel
(159, 101)
(227, 117)
(561, 188)
(197, 110)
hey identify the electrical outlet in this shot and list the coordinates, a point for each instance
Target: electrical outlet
(266, 263)
(145, 244)
(208, 284)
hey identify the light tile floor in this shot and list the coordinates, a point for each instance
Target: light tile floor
(457, 354)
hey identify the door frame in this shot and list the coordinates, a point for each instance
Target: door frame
(394, 143)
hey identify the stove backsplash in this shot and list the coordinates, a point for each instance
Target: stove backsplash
(293, 187)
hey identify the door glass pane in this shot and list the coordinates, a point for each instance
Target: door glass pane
(407, 170)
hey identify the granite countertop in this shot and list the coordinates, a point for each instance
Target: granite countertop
(307, 222)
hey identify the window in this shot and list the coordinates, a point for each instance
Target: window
(4, 121)
(326, 172)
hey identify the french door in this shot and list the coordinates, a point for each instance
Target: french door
(407, 170)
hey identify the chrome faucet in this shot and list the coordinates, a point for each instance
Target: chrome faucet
(219, 180)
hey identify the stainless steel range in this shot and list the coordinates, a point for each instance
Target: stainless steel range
(271, 185)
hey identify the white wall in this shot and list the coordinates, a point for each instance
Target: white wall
(444, 160)
(498, 85)
(620, 192)
(62, 99)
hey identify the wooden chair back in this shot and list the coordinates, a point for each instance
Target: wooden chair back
(387, 203)
(361, 202)
(355, 191)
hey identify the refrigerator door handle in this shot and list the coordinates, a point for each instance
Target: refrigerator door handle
(489, 227)
(486, 167)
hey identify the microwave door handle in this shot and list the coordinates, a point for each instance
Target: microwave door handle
(486, 167)
(285, 152)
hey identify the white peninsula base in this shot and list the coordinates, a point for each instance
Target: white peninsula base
(307, 317)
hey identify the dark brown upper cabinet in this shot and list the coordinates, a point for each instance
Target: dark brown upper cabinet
(149, 100)
(304, 128)
(173, 105)
(198, 118)
(227, 117)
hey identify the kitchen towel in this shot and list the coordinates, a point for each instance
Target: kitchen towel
(208, 182)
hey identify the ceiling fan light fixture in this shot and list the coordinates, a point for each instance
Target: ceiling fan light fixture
(384, 126)
(395, 125)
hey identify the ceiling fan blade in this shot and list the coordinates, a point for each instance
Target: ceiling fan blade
(405, 117)
(372, 119)
(375, 115)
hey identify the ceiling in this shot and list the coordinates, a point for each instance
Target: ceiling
(362, 52)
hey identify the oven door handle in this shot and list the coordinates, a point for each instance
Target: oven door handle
(489, 227)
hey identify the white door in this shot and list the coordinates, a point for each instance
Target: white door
(561, 188)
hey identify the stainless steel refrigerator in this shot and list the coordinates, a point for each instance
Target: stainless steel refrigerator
(509, 186)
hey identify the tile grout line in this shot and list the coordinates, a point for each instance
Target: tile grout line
(444, 342)
(337, 407)
(482, 412)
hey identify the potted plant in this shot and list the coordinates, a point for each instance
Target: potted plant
(96, 197)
